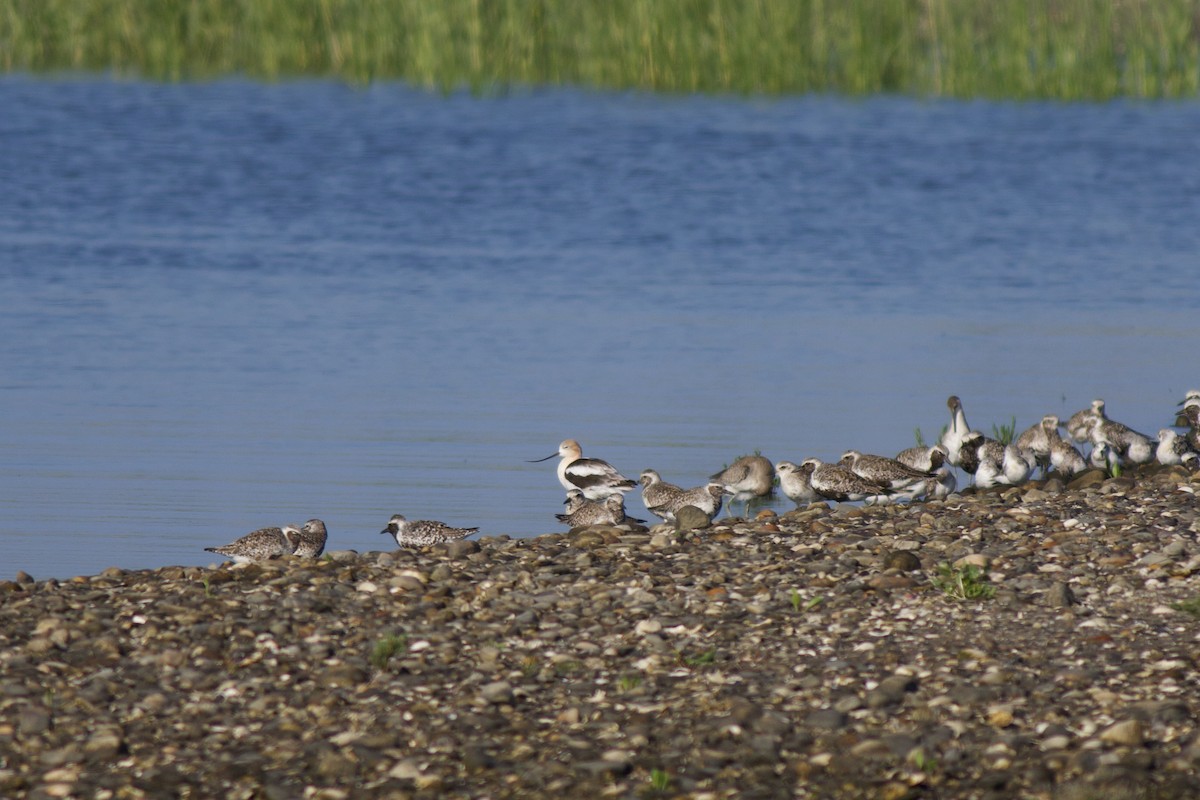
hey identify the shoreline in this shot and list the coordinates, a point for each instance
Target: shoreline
(817, 653)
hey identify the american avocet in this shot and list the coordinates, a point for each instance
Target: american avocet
(958, 431)
(793, 480)
(423, 532)
(746, 478)
(261, 544)
(595, 478)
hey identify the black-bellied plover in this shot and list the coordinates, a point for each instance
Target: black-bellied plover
(1191, 416)
(660, 498)
(423, 532)
(312, 539)
(1079, 424)
(835, 482)
(1034, 442)
(1192, 398)
(595, 478)
(609, 511)
(896, 475)
(1174, 449)
(261, 545)
(1065, 459)
(1131, 447)
(1001, 464)
(941, 485)
(925, 459)
(793, 480)
(747, 478)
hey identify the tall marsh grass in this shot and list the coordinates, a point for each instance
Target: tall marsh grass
(1016, 48)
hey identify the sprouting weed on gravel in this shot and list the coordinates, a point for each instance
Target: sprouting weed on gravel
(705, 659)
(1191, 606)
(660, 780)
(963, 583)
(629, 682)
(385, 648)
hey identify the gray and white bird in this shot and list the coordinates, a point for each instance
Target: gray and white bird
(942, 485)
(609, 511)
(895, 475)
(660, 498)
(1174, 449)
(1079, 424)
(312, 539)
(746, 478)
(261, 545)
(423, 532)
(1034, 443)
(1065, 459)
(924, 459)
(1191, 416)
(595, 478)
(835, 482)
(1000, 464)
(794, 481)
(1131, 447)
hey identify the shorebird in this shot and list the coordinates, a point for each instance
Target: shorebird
(956, 434)
(1191, 415)
(968, 453)
(746, 478)
(423, 532)
(595, 478)
(1191, 399)
(896, 475)
(1034, 443)
(793, 480)
(1130, 446)
(1079, 424)
(574, 500)
(925, 459)
(1174, 449)
(609, 511)
(1000, 464)
(942, 485)
(835, 482)
(659, 497)
(1064, 458)
(312, 539)
(663, 499)
(261, 544)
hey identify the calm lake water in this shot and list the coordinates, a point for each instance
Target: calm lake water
(230, 305)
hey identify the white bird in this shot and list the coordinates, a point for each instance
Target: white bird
(1034, 443)
(1001, 464)
(793, 480)
(956, 434)
(1174, 449)
(595, 478)
(942, 485)
(1191, 416)
(925, 459)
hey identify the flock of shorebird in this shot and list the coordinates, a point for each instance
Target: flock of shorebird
(595, 489)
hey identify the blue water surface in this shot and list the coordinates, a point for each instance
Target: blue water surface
(231, 304)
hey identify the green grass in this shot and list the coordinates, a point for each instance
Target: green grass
(1072, 49)
(963, 583)
(1191, 606)
(1006, 432)
(390, 645)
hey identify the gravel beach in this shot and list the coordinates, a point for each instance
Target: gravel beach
(820, 653)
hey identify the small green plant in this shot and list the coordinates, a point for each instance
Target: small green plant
(922, 761)
(385, 648)
(629, 682)
(530, 666)
(660, 780)
(707, 658)
(1191, 606)
(1005, 433)
(567, 667)
(968, 582)
(920, 436)
(797, 600)
(207, 588)
(813, 602)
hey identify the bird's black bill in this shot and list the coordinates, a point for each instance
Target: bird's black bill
(539, 460)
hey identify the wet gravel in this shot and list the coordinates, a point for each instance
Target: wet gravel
(811, 654)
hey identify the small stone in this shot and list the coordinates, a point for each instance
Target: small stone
(903, 560)
(978, 560)
(1059, 595)
(497, 693)
(826, 718)
(461, 548)
(690, 518)
(1128, 733)
(647, 626)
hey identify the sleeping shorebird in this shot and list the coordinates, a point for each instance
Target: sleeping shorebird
(261, 545)
(1080, 423)
(595, 478)
(1130, 446)
(1191, 399)
(895, 475)
(746, 478)
(1191, 416)
(835, 482)
(423, 532)
(312, 539)
(609, 511)
(999, 464)
(794, 481)
(942, 485)
(1064, 458)
(1174, 449)
(925, 459)
(1034, 443)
